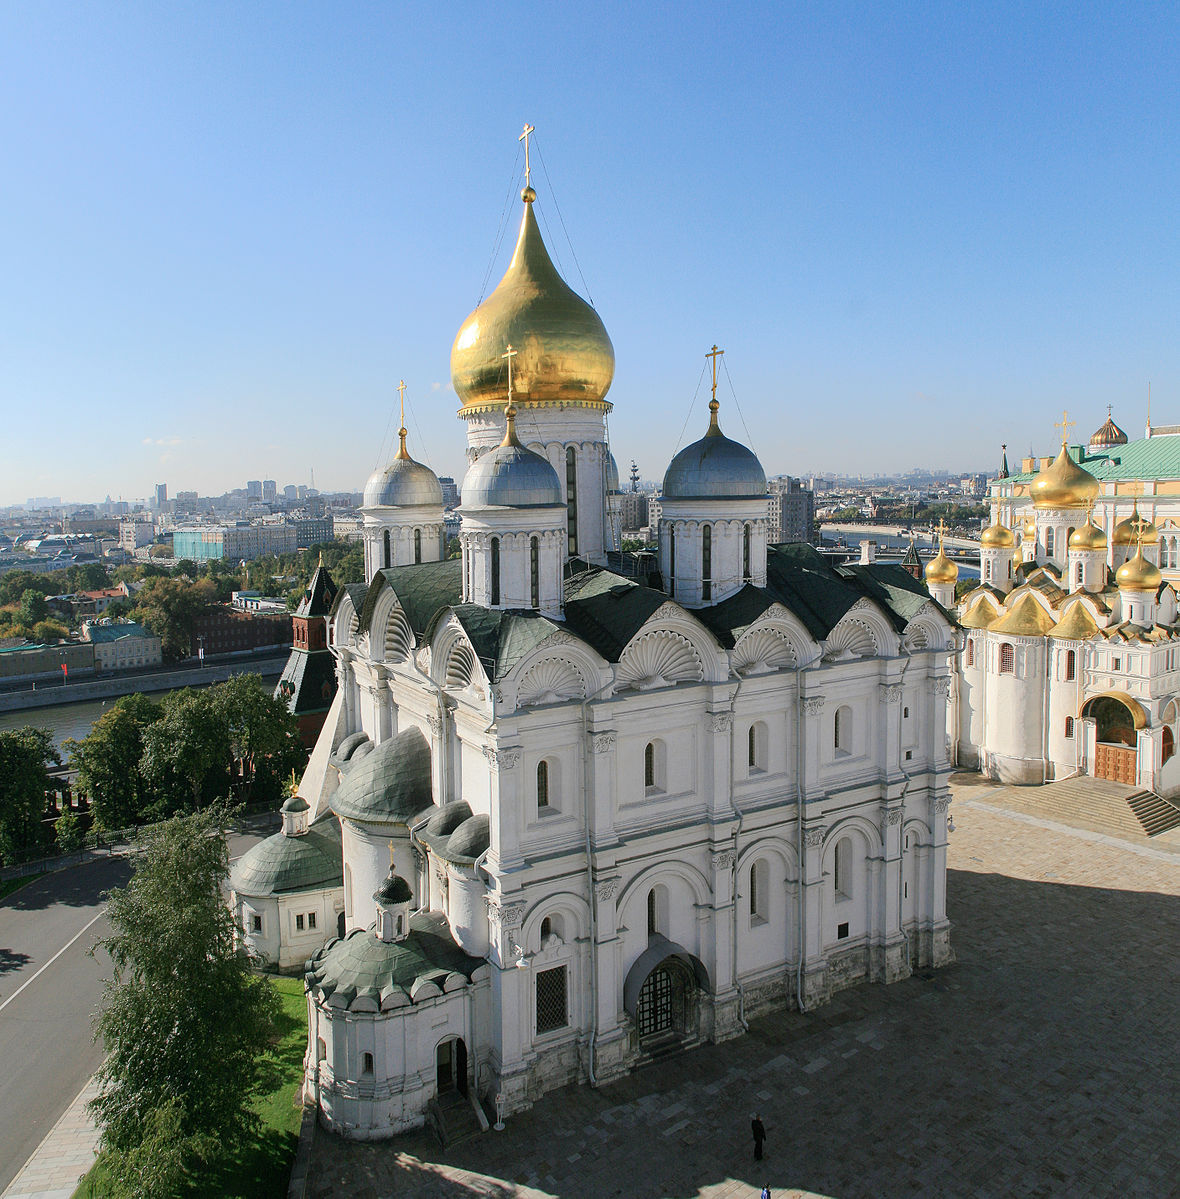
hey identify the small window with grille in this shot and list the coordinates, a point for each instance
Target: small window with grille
(551, 1000)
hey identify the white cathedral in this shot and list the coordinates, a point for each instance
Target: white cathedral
(589, 816)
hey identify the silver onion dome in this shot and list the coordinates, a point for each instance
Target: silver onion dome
(612, 472)
(511, 476)
(715, 468)
(404, 483)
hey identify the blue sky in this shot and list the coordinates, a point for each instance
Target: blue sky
(917, 230)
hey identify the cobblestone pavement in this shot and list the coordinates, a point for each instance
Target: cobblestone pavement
(1043, 1062)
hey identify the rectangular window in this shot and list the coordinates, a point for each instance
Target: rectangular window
(299, 922)
(1116, 664)
(256, 924)
(841, 931)
(311, 919)
(552, 1011)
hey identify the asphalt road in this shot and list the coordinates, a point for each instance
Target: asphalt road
(49, 988)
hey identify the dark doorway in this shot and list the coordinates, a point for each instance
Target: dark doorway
(341, 926)
(451, 1061)
(663, 1001)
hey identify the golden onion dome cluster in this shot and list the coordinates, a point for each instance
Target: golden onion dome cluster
(1125, 532)
(940, 569)
(1138, 574)
(997, 537)
(1088, 537)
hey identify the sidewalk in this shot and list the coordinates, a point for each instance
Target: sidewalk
(62, 1158)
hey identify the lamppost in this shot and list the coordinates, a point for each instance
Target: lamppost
(201, 648)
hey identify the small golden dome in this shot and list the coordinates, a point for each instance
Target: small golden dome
(941, 569)
(564, 355)
(1088, 537)
(1137, 574)
(1125, 532)
(1030, 526)
(1064, 485)
(1109, 434)
(997, 537)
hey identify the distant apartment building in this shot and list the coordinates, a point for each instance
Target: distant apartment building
(270, 491)
(450, 491)
(347, 528)
(254, 489)
(792, 510)
(311, 530)
(161, 496)
(633, 509)
(133, 533)
(122, 645)
(290, 492)
(202, 543)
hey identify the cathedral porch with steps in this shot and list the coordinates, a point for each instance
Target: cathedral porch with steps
(1112, 809)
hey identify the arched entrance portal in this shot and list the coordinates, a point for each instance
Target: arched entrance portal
(451, 1066)
(662, 994)
(1118, 719)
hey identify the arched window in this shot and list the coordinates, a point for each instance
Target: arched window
(654, 762)
(756, 747)
(842, 868)
(1080, 572)
(366, 1063)
(987, 570)
(1049, 543)
(386, 541)
(842, 731)
(571, 499)
(417, 545)
(759, 892)
(1167, 745)
(495, 571)
(542, 785)
(1069, 726)
(1071, 665)
(657, 911)
(746, 576)
(970, 651)
(1007, 658)
(672, 560)
(535, 572)
(707, 562)
(546, 929)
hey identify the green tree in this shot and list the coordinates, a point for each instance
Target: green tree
(89, 576)
(184, 1020)
(16, 582)
(186, 758)
(108, 763)
(261, 734)
(33, 606)
(25, 757)
(169, 607)
(49, 630)
(68, 831)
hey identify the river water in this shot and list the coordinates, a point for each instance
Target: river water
(74, 720)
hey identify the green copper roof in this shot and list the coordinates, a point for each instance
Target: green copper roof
(389, 974)
(389, 785)
(1148, 458)
(421, 590)
(281, 864)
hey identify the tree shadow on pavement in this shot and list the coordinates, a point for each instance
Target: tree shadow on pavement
(78, 886)
(11, 960)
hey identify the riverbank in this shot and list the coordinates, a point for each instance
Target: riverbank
(51, 694)
(921, 536)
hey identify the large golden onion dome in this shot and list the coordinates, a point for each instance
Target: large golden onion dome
(998, 537)
(940, 569)
(1063, 485)
(1125, 532)
(1138, 574)
(1088, 537)
(563, 352)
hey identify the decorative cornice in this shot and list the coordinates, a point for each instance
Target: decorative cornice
(941, 684)
(723, 860)
(501, 758)
(720, 722)
(605, 889)
(813, 837)
(941, 804)
(890, 693)
(813, 705)
(893, 816)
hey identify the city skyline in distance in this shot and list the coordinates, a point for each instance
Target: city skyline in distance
(917, 234)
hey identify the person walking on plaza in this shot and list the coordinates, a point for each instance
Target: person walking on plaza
(765, 1193)
(759, 1132)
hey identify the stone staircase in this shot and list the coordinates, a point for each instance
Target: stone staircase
(1113, 809)
(1156, 814)
(454, 1118)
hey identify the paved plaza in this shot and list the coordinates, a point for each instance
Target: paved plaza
(1043, 1062)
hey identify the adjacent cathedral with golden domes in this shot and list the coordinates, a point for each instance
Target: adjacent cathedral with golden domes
(1070, 658)
(589, 815)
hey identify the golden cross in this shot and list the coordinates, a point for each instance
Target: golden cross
(524, 137)
(1064, 424)
(714, 353)
(510, 353)
(1139, 524)
(401, 391)
(941, 531)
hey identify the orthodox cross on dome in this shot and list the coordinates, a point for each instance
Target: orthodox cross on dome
(1139, 524)
(714, 353)
(1064, 424)
(941, 531)
(509, 354)
(524, 137)
(401, 390)
(509, 408)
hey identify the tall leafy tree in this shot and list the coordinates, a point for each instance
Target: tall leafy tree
(169, 607)
(108, 762)
(25, 757)
(33, 606)
(261, 734)
(183, 1021)
(186, 757)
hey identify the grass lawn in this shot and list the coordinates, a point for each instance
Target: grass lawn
(261, 1168)
(7, 886)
